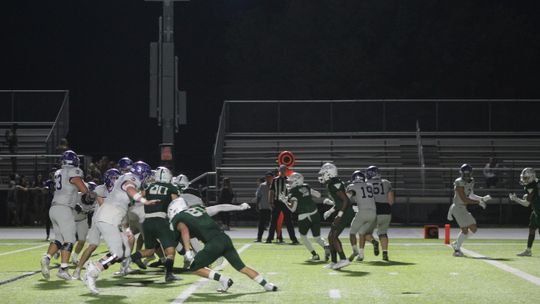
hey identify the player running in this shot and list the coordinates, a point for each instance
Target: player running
(328, 175)
(156, 225)
(300, 200)
(531, 198)
(109, 218)
(94, 236)
(81, 222)
(194, 221)
(68, 182)
(463, 196)
(384, 199)
(365, 219)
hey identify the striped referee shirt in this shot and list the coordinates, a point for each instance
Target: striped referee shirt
(279, 185)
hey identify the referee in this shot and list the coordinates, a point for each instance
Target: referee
(276, 198)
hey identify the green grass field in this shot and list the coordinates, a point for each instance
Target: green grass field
(421, 271)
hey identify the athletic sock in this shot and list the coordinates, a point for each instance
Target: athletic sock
(342, 255)
(307, 243)
(321, 241)
(214, 275)
(313, 252)
(461, 238)
(361, 251)
(48, 256)
(259, 279)
(64, 266)
(334, 256)
(355, 249)
(530, 241)
(169, 265)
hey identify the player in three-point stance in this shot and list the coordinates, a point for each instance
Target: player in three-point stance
(463, 196)
(531, 198)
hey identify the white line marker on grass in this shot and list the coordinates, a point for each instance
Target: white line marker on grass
(334, 294)
(24, 249)
(201, 282)
(512, 270)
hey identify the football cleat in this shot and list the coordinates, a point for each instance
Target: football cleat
(359, 258)
(64, 274)
(352, 256)
(90, 283)
(385, 256)
(458, 253)
(139, 262)
(270, 287)
(45, 261)
(170, 277)
(526, 253)
(330, 266)
(225, 283)
(375, 247)
(157, 263)
(341, 264)
(315, 258)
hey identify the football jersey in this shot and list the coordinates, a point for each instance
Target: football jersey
(467, 187)
(116, 203)
(305, 201)
(381, 187)
(86, 208)
(102, 191)
(65, 192)
(199, 223)
(532, 190)
(335, 185)
(162, 192)
(363, 195)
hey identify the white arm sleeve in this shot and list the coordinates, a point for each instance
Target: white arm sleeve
(315, 193)
(213, 210)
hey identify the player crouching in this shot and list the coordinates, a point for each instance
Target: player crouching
(195, 222)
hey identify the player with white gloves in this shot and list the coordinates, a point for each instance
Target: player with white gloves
(109, 218)
(68, 182)
(463, 196)
(531, 198)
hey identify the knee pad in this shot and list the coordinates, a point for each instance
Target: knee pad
(67, 247)
(384, 235)
(58, 244)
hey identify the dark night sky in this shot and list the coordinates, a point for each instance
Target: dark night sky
(249, 49)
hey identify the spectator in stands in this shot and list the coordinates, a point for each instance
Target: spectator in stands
(226, 196)
(490, 174)
(262, 206)
(38, 197)
(62, 146)
(23, 201)
(13, 218)
(12, 142)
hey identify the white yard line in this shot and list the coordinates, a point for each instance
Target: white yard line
(24, 249)
(21, 243)
(512, 270)
(334, 294)
(201, 282)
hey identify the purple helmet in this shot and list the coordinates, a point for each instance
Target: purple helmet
(372, 172)
(124, 164)
(110, 177)
(70, 158)
(142, 170)
(358, 176)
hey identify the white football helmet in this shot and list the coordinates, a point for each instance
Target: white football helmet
(294, 180)
(162, 175)
(327, 172)
(527, 176)
(181, 181)
(176, 206)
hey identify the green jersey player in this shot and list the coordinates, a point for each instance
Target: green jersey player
(156, 226)
(328, 175)
(300, 200)
(195, 222)
(531, 198)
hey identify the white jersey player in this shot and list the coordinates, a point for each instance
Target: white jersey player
(81, 222)
(365, 220)
(94, 236)
(68, 182)
(109, 218)
(463, 196)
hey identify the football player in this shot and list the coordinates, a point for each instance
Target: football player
(109, 218)
(531, 198)
(365, 219)
(81, 221)
(196, 222)
(94, 235)
(300, 201)
(384, 199)
(463, 196)
(328, 175)
(156, 225)
(68, 182)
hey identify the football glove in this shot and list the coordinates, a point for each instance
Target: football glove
(283, 197)
(328, 201)
(244, 206)
(189, 256)
(522, 202)
(486, 198)
(328, 213)
(482, 204)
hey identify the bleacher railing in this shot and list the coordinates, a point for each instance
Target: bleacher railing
(60, 127)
